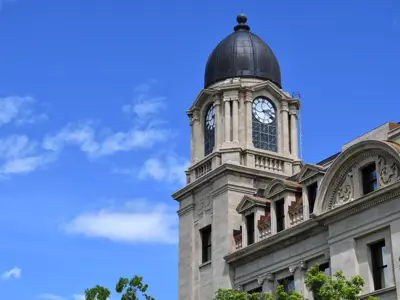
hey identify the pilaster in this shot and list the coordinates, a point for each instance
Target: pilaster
(196, 134)
(273, 218)
(268, 283)
(242, 119)
(227, 120)
(285, 128)
(235, 120)
(299, 274)
(395, 240)
(218, 121)
(293, 131)
(249, 126)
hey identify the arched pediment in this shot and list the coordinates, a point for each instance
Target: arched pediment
(275, 186)
(340, 183)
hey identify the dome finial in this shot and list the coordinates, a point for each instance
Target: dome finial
(242, 19)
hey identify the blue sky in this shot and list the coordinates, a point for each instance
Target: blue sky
(93, 132)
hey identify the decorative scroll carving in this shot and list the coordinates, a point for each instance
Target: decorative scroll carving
(270, 277)
(388, 171)
(345, 193)
(204, 205)
(261, 279)
(239, 288)
(302, 265)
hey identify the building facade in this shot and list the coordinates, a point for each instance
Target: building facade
(252, 215)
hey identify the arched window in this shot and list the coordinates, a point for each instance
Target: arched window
(264, 124)
(209, 131)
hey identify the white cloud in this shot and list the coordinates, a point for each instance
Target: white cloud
(79, 297)
(83, 135)
(49, 296)
(18, 154)
(136, 222)
(14, 272)
(145, 107)
(170, 169)
(18, 110)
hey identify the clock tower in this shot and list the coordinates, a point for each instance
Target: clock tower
(244, 133)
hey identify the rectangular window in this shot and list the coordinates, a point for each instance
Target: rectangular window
(280, 215)
(312, 195)
(256, 290)
(369, 180)
(206, 244)
(288, 284)
(379, 265)
(325, 268)
(250, 229)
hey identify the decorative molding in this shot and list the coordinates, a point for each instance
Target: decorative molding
(345, 193)
(343, 164)
(185, 210)
(388, 171)
(360, 204)
(327, 254)
(239, 288)
(261, 279)
(302, 265)
(205, 205)
(270, 277)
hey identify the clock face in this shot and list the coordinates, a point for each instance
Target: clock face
(263, 110)
(210, 119)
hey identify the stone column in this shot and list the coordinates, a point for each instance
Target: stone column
(293, 132)
(218, 121)
(242, 119)
(299, 274)
(249, 126)
(395, 241)
(196, 126)
(235, 120)
(285, 128)
(227, 120)
(192, 146)
(267, 283)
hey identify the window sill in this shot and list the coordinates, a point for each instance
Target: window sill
(378, 292)
(207, 263)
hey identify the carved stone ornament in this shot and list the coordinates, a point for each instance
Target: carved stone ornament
(327, 254)
(204, 205)
(302, 265)
(239, 288)
(270, 277)
(388, 171)
(345, 192)
(261, 279)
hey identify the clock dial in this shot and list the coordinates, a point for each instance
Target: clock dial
(263, 110)
(210, 119)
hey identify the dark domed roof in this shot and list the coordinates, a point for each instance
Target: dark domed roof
(242, 54)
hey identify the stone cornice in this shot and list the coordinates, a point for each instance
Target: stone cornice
(277, 241)
(185, 209)
(203, 93)
(227, 167)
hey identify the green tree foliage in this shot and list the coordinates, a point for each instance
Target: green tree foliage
(323, 286)
(130, 290)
